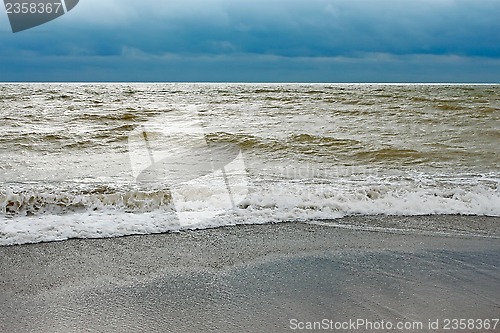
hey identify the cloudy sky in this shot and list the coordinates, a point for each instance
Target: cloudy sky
(260, 41)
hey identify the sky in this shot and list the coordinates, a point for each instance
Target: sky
(259, 41)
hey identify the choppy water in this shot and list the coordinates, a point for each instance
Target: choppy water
(100, 160)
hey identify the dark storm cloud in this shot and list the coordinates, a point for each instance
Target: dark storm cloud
(314, 40)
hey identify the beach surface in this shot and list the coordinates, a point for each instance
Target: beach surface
(260, 278)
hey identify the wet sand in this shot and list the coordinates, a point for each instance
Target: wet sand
(257, 278)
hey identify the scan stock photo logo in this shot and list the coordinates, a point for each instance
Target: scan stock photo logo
(205, 179)
(25, 14)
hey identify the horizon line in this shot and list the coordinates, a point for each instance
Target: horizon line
(254, 82)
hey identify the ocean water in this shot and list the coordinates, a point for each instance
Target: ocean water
(104, 160)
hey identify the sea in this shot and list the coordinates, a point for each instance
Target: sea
(89, 160)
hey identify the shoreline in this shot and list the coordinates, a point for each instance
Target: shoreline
(439, 224)
(254, 277)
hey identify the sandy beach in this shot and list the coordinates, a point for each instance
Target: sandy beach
(257, 278)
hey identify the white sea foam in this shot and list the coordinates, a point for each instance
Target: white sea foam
(201, 208)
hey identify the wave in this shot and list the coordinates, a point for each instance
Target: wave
(52, 202)
(295, 142)
(36, 216)
(387, 154)
(351, 150)
(119, 115)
